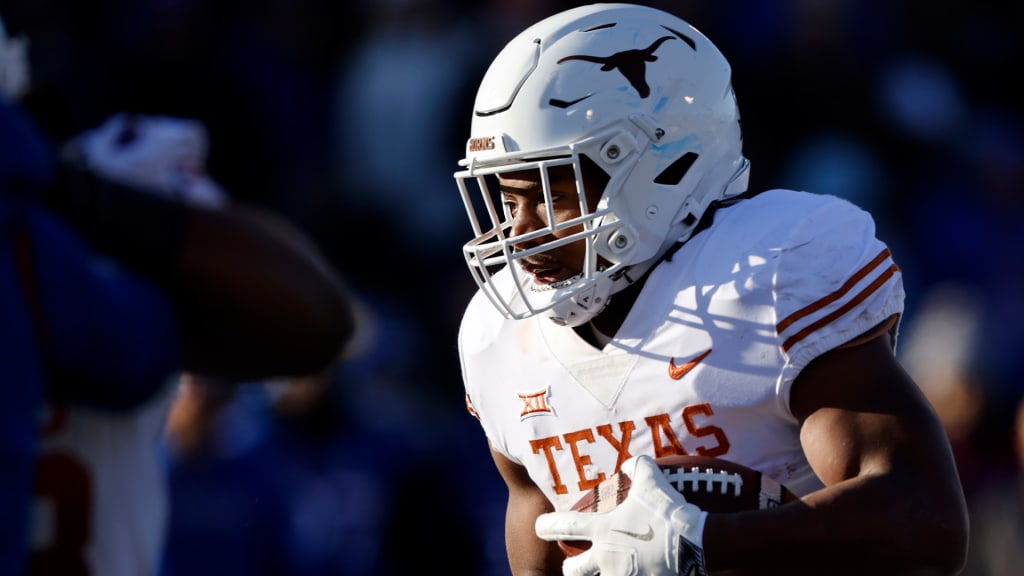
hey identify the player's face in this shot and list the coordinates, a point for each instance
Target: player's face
(523, 194)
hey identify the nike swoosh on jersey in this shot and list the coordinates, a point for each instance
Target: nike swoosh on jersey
(645, 536)
(677, 372)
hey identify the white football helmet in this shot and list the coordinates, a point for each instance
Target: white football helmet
(643, 95)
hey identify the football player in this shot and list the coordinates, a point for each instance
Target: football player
(108, 288)
(636, 300)
(101, 494)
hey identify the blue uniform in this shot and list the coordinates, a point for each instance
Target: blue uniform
(73, 325)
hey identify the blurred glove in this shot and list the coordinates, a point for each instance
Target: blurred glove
(163, 155)
(654, 531)
(129, 185)
(14, 65)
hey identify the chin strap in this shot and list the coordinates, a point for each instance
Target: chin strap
(583, 307)
(586, 305)
(631, 274)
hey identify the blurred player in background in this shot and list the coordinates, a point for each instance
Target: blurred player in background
(334, 494)
(100, 485)
(997, 516)
(112, 280)
(637, 301)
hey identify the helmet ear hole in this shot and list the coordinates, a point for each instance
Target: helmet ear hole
(674, 173)
(617, 149)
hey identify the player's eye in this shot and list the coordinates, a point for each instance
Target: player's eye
(510, 205)
(564, 198)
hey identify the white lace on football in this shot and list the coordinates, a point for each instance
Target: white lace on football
(708, 477)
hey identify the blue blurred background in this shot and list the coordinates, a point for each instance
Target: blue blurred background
(348, 117)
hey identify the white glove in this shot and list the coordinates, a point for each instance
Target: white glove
(166, 156)
(654, 531)
(14, 65)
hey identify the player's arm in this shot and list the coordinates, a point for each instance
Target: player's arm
(254, 298)
(893, 501)
(528, 555)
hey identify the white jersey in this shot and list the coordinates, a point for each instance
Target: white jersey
(101, 494)
(704, 362)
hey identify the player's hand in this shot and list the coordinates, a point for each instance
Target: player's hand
(653, 531)
(159, 154)
(132, 187)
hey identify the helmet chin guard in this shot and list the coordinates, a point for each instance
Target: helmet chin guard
(580, 306)
(641, 95)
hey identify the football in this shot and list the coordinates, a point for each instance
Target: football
(713, 484)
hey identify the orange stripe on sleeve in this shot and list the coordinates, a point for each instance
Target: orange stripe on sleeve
(846, 287)
(885, 275)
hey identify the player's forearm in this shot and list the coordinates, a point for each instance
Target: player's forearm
(144, 232)
(257, 297)
(859, 526)
(254, 296)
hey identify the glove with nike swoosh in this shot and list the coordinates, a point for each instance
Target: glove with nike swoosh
(654, 531)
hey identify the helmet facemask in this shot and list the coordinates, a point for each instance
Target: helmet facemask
(587, 241)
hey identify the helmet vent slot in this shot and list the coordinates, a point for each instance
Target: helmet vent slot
(600, 27)
(682, 37)
(674, 173)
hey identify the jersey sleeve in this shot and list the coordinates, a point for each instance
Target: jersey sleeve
(112, 337)
(834, 281)
(478, 357)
